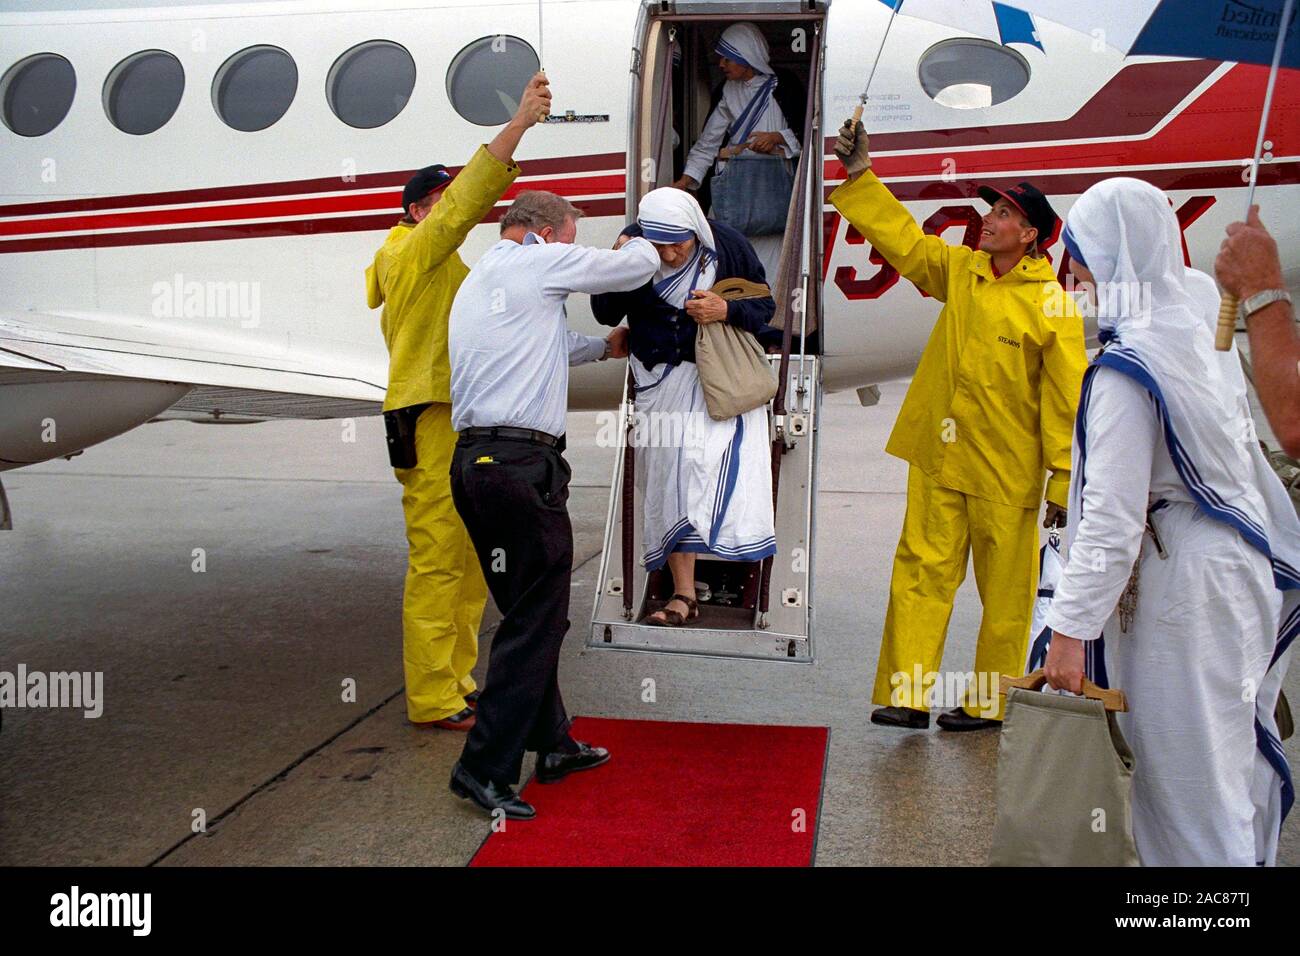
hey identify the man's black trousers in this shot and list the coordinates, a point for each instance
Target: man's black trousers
(512, 495)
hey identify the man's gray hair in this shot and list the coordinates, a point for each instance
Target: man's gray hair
(536, 210)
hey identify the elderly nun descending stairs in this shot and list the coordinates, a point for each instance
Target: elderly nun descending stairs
(1167, 473)
(708, 488)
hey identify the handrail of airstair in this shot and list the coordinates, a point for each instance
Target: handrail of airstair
(812, 151)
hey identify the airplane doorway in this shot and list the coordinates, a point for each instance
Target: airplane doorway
(762, 608)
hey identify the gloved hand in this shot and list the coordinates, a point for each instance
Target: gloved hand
(852, 148)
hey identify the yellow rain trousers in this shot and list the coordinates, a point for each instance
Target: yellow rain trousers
(990, 410)
(442, 606)
(942, 529)
(415, 276)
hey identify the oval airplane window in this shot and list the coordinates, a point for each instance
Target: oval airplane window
(142, 92)
(370, 84)
(254, 88)
(37, 93)
(967, 73)
(486, 79)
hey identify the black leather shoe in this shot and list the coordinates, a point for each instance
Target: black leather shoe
(557, 764)
(471, 700)
(490, 796)
(901, 717)
(958, 719)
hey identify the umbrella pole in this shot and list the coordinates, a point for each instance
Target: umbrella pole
(862, 100)
(1228, 305)
(541, 63)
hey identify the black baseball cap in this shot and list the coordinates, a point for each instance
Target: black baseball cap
(1033, 205)
(426, 181)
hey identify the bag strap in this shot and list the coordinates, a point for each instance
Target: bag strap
(738, 288)
(743, 125)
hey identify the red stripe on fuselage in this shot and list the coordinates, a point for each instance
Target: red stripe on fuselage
(391, 202)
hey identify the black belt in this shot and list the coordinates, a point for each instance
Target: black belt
(516, 434)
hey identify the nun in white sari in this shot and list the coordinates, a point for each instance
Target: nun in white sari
(1167, 473)
(750, 112)
(706, 485)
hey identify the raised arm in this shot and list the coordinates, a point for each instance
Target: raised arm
(1248, 263)
(479, 186)
(874, 211)
(584, 269)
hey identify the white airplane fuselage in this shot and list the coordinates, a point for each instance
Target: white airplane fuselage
(252, 245)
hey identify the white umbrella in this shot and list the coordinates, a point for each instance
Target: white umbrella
(999, 22)
(1234, 30)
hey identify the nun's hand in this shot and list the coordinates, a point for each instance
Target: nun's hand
(705, 307)
(622, 240)
(1064, 665)
(766, 142)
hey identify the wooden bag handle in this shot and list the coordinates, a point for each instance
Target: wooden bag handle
(1112, 699)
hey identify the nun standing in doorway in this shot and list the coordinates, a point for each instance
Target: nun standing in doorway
(706, 484)
(1183, 547)
(751, 140)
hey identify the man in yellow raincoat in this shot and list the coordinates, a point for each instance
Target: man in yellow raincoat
(990, 409)
(415, 276)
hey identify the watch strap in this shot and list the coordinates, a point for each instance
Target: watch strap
(1260, 300)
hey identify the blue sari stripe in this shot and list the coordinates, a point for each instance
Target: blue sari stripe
(730, 472)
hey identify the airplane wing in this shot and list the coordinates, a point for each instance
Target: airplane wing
(71, 379)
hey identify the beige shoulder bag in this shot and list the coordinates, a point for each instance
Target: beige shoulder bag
(734, 371)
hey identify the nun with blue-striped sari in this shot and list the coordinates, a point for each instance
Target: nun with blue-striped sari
(1182, 578)
(706, 485)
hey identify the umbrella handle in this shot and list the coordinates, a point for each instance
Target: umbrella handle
(857, 115)
(1227, 322)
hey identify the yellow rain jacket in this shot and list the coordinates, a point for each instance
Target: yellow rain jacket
(415, 276)
(993, 400)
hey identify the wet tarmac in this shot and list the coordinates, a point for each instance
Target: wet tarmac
(224, 688)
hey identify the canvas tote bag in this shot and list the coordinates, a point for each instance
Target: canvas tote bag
(1064, 784)
(733, 369)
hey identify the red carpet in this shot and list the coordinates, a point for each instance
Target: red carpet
(675, 794)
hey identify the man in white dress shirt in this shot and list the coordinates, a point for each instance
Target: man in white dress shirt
(510, 356)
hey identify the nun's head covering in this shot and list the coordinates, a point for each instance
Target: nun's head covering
(1158, 316)
(1126, 234)
(667, 215)
(744, 43)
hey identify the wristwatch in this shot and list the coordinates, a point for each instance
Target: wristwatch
(1261, 299)
(609, 350)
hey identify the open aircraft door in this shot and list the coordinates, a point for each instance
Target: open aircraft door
(757, 609)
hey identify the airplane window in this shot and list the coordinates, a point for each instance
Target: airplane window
(967, 73)
(369, 84)
(254, 88)
(486, 79)
(142, 92)
(37, 93)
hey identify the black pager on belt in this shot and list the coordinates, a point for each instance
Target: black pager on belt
(399, 427)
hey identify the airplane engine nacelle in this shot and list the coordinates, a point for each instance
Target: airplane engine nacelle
(59, 416)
